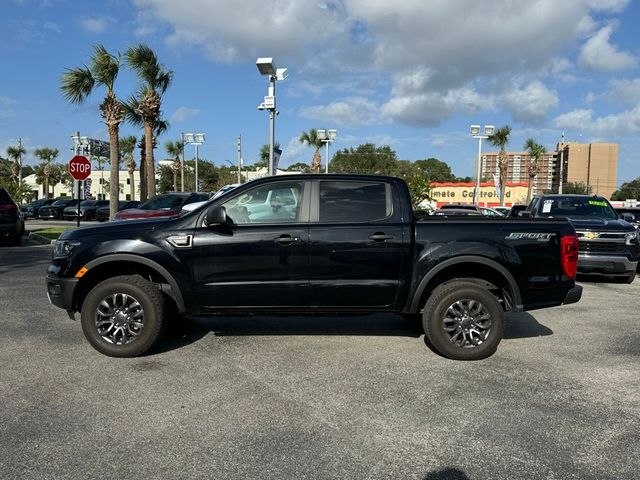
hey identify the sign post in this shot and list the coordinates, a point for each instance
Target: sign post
(79, 169)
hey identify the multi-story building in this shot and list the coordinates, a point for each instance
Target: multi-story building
(518, 164)
(594, 164)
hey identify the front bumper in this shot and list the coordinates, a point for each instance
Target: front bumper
(605, 265)
(60, 291)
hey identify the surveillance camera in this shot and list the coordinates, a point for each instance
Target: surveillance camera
(261, 106)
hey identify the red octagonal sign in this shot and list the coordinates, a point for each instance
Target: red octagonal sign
(79, 167)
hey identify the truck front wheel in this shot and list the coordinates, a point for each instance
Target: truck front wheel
(123, 316)
(463, 321)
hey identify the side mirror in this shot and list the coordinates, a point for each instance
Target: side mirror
(216, 215)
(628, 217)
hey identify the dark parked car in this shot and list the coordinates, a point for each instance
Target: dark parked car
(87, 209)
(630, 214)
(11, 221)
(102, 213)
(163, 205)
(55, 211)
(30, 210)
(608, 245)
(516, 209)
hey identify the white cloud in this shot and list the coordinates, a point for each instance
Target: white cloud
(626, 91)
(430, 108)
(54, 27)
(349, 111)
(579, 119)
(598, 54)
(95, 24)
(183, 113)
(429, 61)
(531, 103)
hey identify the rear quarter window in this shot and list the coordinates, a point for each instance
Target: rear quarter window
(5, 199)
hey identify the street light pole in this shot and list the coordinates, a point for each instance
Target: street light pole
(475, 133)
(561, 164)
(326, 137)
(182, 164)
(194, 139)
(267, 67)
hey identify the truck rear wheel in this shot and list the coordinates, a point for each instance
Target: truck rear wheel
(463, 321)
(123, 316)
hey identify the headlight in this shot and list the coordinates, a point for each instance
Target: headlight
(631, 237)
(63, 248)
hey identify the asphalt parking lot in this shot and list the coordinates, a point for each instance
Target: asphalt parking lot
(357, 397)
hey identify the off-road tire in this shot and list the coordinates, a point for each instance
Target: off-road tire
(149, 298)
(436, 308)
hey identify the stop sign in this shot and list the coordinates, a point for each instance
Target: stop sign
(79, 167)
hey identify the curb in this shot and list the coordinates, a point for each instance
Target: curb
(40, 239)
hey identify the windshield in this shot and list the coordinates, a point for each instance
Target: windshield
(163, 202)
(87, 203)
(577, 207)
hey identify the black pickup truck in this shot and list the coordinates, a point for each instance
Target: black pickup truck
(608, 244)
(310, 243)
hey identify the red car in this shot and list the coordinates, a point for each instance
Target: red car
(164, 205)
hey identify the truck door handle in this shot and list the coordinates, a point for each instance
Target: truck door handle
(380, 237)
(286, 239)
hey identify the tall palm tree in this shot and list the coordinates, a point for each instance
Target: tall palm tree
(311, 139)
(175, 150)
(47, 157)
(127, 146)
(134, 117)
(536, 151)
(77, 85)
(500, 138)
(15, 155)
(155, 81)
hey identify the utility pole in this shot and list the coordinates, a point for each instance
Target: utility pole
(20, 161)
(239, 158)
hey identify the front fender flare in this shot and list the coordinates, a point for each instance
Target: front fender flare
(175, 292)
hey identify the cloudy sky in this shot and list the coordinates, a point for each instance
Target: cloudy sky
(413, 74)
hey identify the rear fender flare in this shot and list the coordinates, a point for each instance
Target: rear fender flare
(513, 286)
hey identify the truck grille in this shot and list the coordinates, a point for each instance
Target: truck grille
(601, 247)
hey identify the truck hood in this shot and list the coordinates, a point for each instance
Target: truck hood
(601, 224)
(114, 230)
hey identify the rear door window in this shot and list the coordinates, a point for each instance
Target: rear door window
(354, 202)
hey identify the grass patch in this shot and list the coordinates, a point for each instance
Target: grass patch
(52, 233)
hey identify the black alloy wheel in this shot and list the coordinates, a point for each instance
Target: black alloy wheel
(463, 320)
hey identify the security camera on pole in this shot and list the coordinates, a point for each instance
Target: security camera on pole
(267, 67)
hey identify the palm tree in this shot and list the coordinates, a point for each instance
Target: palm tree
(47, 157)
(535, 150)
(134, 117)
(264, 156)
(127, 146)
(15, 155)
(77, 85)
(500, 138)
(311, 139)
(175, 150)
(155, 81)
